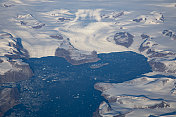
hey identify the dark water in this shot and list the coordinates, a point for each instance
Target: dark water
(60, 89)
(161, 76)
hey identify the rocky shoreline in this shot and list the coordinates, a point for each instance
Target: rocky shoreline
(9, 98)
(137, 95)
(13, 70)
(79, 35)
(93, 57)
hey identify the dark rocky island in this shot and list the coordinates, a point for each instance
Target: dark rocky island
(123, 38)
(169, 33)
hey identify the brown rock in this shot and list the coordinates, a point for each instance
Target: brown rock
(8, 98)
(15, 76)
(60, 52)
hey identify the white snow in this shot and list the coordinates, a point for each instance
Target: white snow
(5, 66)
(153, 18)
(5, 39)
(171, 65)
(139, 94)
(82, 14)
(91, 26)
(87, 29)
(92, 37)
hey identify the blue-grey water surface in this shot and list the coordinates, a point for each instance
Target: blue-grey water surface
(59, 89)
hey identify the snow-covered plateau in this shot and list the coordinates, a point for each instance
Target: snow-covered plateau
(139, 97)
(79, 30)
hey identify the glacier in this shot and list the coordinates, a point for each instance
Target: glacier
(79, 30)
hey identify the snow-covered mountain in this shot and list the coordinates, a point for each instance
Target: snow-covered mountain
(79, 30)
(139, 97)
(12, 68)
